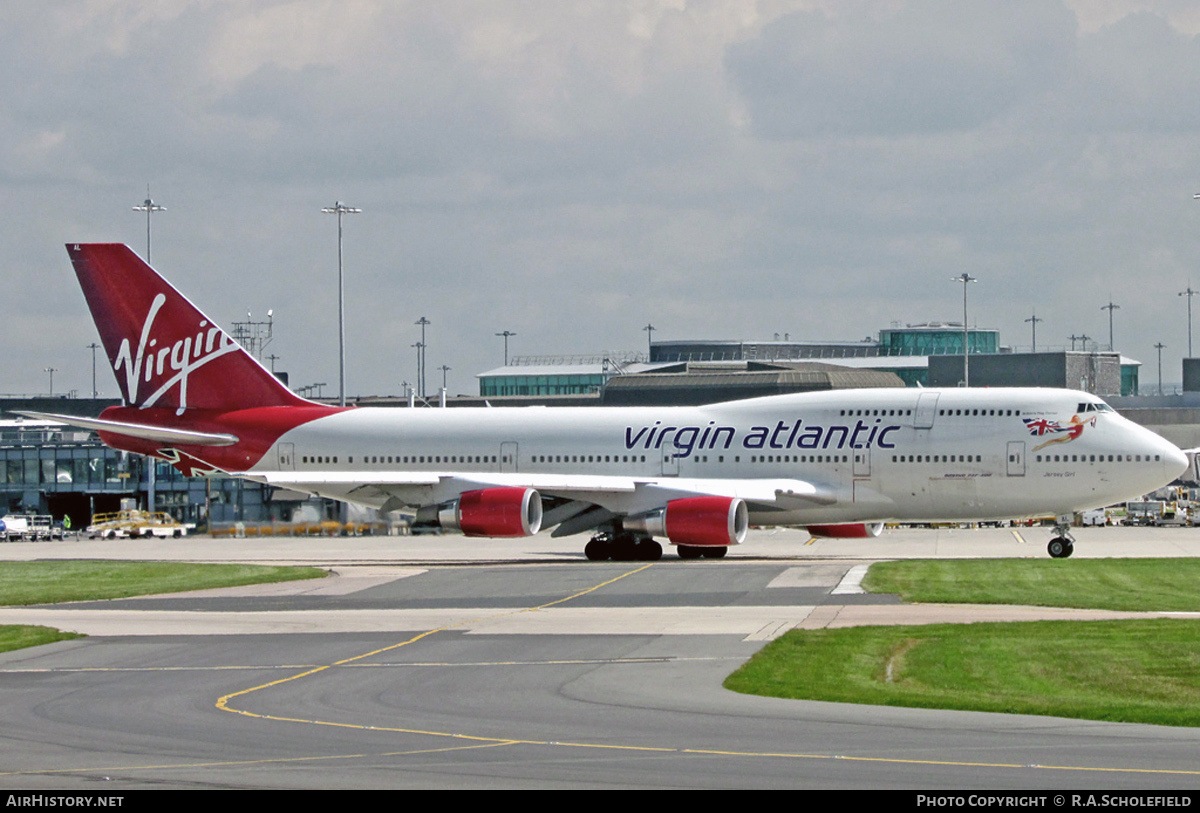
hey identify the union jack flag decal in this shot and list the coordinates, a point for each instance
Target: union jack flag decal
(1073, 429)
(1041, 426)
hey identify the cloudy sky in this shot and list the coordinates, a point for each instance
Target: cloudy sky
(571, 171)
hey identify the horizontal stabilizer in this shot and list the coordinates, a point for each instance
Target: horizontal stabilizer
(155, 434)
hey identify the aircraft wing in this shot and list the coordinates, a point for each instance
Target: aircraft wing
(620, 495)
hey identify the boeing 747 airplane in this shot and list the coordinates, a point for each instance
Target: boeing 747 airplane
(839, 463)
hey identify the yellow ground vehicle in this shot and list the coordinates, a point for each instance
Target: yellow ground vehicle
(132, 524)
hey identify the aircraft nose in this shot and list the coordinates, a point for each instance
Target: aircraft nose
(1175, 460)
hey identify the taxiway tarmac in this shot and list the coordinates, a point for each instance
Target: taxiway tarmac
(448, 662)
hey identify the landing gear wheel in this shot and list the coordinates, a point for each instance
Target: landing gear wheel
(1060, 547)
(689, 551)
(648, 550)
(715, 552)
(597, 549)
(1063, 544)
(624, 548)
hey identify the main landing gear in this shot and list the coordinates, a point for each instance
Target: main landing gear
(1063, 544)
(622, 547)
(627, 547)
(695, 551)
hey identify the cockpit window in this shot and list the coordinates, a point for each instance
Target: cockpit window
(1087, 406)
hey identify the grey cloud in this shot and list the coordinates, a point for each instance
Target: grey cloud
(1138, 74)
(926, 66)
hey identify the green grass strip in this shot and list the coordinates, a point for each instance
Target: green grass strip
(51, 582)
(1105, 584)
(22, 636)
(1145, 671)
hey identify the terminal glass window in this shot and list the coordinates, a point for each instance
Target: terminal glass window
(946, 341)
(562, 384)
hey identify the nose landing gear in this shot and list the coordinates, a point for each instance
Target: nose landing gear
(1063, 544)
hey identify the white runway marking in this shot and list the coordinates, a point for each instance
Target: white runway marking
(758, 622)
(852, 582)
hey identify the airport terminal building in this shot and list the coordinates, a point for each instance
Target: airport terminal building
(921, 355)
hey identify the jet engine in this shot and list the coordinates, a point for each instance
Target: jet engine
(699, 521)
(496, 512)
(849, 530)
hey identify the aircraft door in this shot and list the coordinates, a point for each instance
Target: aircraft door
(670, 465)
(926, 410)
(508, 456)
(862, 462)
(1016, 458)
(286, 455)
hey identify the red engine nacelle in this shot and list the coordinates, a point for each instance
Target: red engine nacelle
(497, 512)
(852, 530)
(699, 521)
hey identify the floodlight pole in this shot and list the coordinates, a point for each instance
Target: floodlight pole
(340, 209)
(93, 347)
(965, 278)
(1189, 293)
(149, 207)
(1110, 307)
(1159, 347)
(506, 334)
(423, 322)
(1033, 320)
(420, 347)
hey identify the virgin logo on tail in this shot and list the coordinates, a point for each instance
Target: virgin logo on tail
(177, 360)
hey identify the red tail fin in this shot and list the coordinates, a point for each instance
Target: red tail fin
(163, 350)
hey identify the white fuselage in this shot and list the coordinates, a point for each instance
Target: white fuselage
(865, 455)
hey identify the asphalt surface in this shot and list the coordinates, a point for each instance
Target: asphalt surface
(444, 662)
